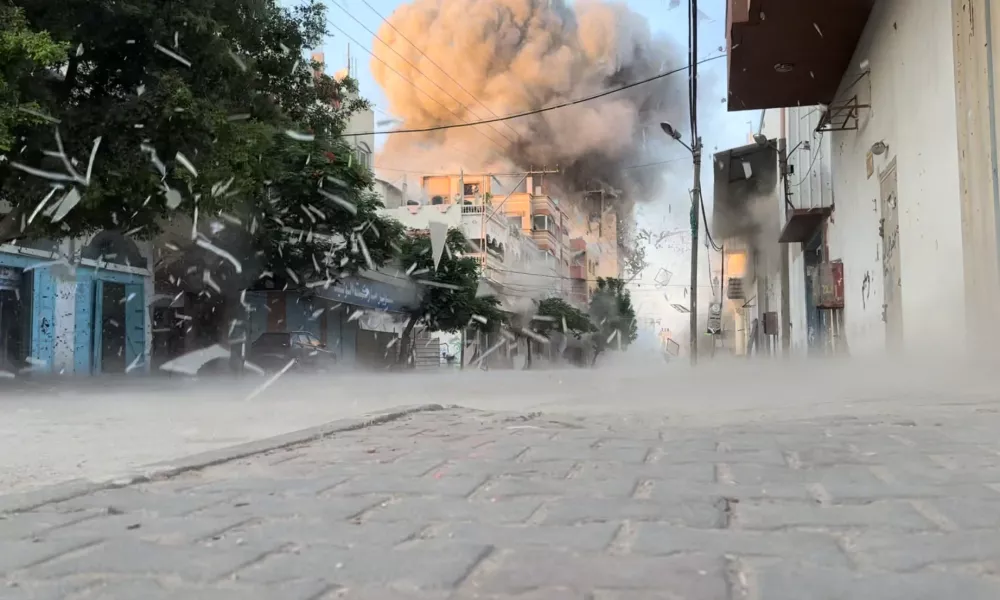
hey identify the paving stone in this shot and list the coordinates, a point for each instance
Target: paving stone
(444, 510)
(13, 589)
(585, 452)
(897, 552)
(133, 500)
(702, 514)
(273, 507)
(431, 485)
(526, 570)
(163, 530)
(551, 469)
(668, 491)
(618, 487)
(877, 515)
(746, 474)
(590, 537)
(144, 559)
(798, 547)
(300, 486)
(153, 590)
(970, 513)
(33, 524)
(696, 473)
(22, 554)
(315, 532)
(433, 565)
(856, 493)
(789, 582)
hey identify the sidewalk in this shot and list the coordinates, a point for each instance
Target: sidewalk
(464, 504)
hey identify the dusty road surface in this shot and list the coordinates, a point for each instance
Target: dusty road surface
(99, 432)
(465, 504)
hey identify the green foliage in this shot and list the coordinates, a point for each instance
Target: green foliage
(217, 82)
(577, 323)
(24, 54)
(453, 307)
(611, 311)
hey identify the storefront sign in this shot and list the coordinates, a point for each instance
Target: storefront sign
(367, 293)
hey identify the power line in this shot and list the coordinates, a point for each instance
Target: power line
(416, 68)
(628, 168)
(415, 86)
(439, 67)
(544, 109)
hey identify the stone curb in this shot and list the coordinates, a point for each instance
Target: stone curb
(26, 501)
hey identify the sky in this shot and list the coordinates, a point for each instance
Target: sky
(719, 130)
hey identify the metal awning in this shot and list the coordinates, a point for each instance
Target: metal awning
(802, 224)
(790, 52)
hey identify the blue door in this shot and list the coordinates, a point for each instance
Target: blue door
(98, 327)
(135, 328)
(43, 317)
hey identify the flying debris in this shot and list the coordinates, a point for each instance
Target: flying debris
(300, 136)
(173, 55)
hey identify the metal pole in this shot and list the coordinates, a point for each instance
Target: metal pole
(695, 206)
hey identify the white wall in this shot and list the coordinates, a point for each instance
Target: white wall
(911, 89)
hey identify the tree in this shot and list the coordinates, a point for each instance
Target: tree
(564, 317)
(449, 301)
(612, 312)
(167, 111)
(24, 55)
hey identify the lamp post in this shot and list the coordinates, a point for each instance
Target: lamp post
(695, 203)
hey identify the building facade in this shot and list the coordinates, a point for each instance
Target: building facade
(76, 307)
(886, 168)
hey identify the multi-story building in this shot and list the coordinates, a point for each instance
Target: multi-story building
(520, 251)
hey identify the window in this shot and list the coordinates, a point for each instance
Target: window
(542, 223)
(471, 189)
(364, 153)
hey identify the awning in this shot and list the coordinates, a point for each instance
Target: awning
(802, 224)
(790, 52)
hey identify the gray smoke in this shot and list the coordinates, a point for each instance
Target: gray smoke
(513, 56)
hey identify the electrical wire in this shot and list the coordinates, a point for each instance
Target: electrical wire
(546, 108)
(416, 68)
(704, 217)
(628, 168)
(812, 162)
(415, 86)
(439, 67)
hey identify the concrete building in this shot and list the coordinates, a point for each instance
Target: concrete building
(887, 168)
(76, 307)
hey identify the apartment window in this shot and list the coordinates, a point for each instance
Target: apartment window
(364, 154)
(471, 189)
(542, 223)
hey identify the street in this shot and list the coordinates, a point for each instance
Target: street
(463, 503)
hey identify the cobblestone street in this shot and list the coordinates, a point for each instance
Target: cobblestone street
(468, 504)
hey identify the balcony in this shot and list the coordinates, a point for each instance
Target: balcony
(545, 239)
(544, 205)
(795, 54)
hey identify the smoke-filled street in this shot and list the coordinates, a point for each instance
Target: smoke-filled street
(499, 299)
(460, 503)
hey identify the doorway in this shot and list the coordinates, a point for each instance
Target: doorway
(110, 335)
(892, 285)
(15, 318)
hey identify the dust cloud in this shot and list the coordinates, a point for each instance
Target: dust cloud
(480, 59)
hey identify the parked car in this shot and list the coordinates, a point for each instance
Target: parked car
(272, 351)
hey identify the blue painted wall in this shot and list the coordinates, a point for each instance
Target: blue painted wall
(43, 319)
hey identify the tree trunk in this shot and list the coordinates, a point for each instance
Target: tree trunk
(404, 341)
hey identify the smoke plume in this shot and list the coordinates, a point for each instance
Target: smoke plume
(479, 59)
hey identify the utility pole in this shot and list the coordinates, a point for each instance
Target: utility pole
(696, 156)
(695, 205)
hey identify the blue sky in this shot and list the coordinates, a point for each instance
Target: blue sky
(719, 130)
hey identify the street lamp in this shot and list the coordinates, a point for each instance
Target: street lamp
(695, 151)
